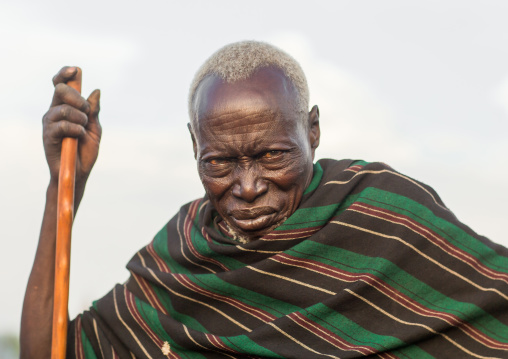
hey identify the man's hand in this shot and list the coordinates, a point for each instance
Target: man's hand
(70, 115)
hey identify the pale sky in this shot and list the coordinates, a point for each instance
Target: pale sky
(422, 86)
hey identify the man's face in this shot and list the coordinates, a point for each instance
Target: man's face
(254, 150)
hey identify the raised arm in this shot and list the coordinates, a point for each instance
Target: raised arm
(70, 115)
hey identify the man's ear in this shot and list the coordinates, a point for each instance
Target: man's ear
(314, 131)
(194, 145)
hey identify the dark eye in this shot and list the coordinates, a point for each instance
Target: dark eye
(214, 161)
(272, 154)
(217, 161)
(217, 166)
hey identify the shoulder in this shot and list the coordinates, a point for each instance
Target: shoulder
(332, 167)
(376, 178)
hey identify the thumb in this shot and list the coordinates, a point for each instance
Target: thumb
(94, 100)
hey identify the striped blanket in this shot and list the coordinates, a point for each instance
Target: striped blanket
(371, 264)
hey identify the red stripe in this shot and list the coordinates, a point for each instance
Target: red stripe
(163, 267)
(329, 336)
(187, 234)
(387, 355)
(131, 305)
(218, 343)
(392, 293)
(384, 288)
(354, 168)
(80, 352)
(255, 312)
(172, 354)
(432, 237)
(149, 293)
(206, 235)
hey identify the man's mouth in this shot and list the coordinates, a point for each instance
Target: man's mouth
(251, 213)
(252, 219)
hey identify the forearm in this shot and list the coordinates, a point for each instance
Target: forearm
(36, 319)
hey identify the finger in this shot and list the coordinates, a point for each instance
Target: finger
(58, 130)
(65, 113)
(94, 100)
(65, 74)
(67, 95)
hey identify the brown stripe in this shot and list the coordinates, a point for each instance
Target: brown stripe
(430, 259)
(188, 221)
(79, 350)
(131, 306)
(431, 236)
(419, 325)
(182, 246)
(161, 264)
(138, 342)
(395, 174)
(197, 301)
(391, 293)
(215, 341)
(293, 339)
(329, 336)
(97, 336)
(255, 312)
(292, 280)
(149, 293)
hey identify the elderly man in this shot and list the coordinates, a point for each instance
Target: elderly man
(283, 257)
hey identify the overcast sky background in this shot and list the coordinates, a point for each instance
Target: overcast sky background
(422, 86)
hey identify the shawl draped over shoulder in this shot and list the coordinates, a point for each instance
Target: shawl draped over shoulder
(371, 264)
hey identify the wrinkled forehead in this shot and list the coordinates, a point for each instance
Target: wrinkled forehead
(267, 90)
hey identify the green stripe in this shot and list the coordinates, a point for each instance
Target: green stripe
(309, 217)
(240, 343)
(165, 299)
(316, 178)
(402, 281)
(216, 285)
(316, 216)
(201, 246)
(244, 344)
(160, 245)
(87, 346)
(359, 163)
(151, 318)
(354, 333)
(421, 214)
(411, 351)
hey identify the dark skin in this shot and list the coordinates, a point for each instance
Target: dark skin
(254, 149)
(254, 154)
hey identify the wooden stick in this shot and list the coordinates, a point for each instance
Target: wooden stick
(65, 215)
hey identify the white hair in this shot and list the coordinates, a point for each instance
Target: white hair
(239, 60)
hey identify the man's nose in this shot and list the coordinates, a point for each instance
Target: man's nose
(249, 185)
